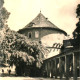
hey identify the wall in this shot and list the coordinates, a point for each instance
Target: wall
(42, 32)
(47, 37)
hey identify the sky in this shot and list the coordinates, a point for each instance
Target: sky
(59, 12)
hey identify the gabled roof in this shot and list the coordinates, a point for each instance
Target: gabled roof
(40, 21)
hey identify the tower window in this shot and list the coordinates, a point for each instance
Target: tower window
(36, 34)
(29, 34)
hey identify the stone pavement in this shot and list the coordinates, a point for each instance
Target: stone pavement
(29, 78)
(25, 78)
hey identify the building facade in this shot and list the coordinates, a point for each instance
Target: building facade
(66, 64)
(40, 27)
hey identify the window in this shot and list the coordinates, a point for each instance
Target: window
(36, 34)
(29, 34)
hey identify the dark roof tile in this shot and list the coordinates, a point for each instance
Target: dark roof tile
(41, 21)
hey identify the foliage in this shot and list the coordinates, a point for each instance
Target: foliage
(17, 49)
(76, 33)
(4, 15)
(20, 50)
(78, 10)
(1, 4)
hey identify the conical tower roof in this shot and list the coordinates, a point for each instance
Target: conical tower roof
(40, 21)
